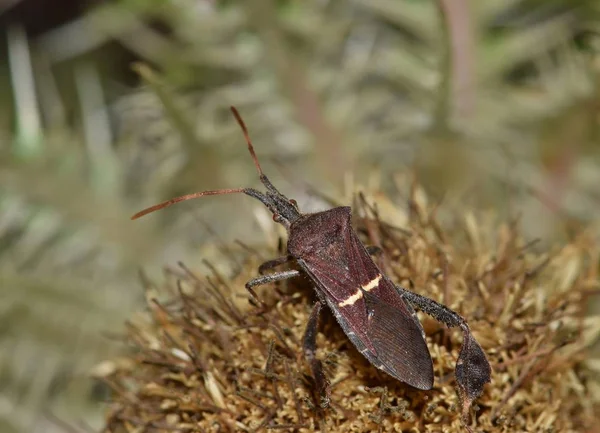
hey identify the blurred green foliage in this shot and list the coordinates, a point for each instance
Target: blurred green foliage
(491, 102)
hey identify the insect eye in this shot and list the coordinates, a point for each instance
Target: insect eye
(294, 202)
(276, 217)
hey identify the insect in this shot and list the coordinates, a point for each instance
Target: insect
(376, 315)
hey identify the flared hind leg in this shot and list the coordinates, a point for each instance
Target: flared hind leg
(473, 370)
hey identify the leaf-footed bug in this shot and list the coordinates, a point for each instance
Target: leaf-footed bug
(376, 315)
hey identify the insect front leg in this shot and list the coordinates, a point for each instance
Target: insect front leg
(270, 278)
(309, 344)
(274, 263)
(473, 370)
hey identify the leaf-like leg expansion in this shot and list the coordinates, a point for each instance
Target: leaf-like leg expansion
(274, 263)
(473, 370)
(309, 344)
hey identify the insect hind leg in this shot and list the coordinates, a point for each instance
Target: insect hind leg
(472, 370)
(438, 311)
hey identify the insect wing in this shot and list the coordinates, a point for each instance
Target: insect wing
(401, 350)
(371, 312)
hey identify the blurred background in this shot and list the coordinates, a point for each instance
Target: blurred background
(107, 107)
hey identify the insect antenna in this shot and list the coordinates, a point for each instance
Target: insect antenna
(283, 209)
(240, 121)
(263, 178)
(186, 197)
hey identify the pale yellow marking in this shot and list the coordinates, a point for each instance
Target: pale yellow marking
(372, 284)
(351, 299)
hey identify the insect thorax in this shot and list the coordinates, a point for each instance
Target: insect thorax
(318, 230)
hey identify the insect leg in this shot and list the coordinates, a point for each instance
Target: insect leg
(439, 312)
(271, 278)
(309, 344)
(473, 370)
(273, 263)
(265, 279)
(374, 250)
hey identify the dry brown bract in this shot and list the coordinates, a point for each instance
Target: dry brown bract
(208, 361)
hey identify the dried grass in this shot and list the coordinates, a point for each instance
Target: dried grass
(203, 361)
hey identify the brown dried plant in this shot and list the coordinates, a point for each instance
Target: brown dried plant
(203, 359)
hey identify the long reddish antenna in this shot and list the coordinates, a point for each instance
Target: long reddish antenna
(249, 191)
(247, 137)
(184, 198)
